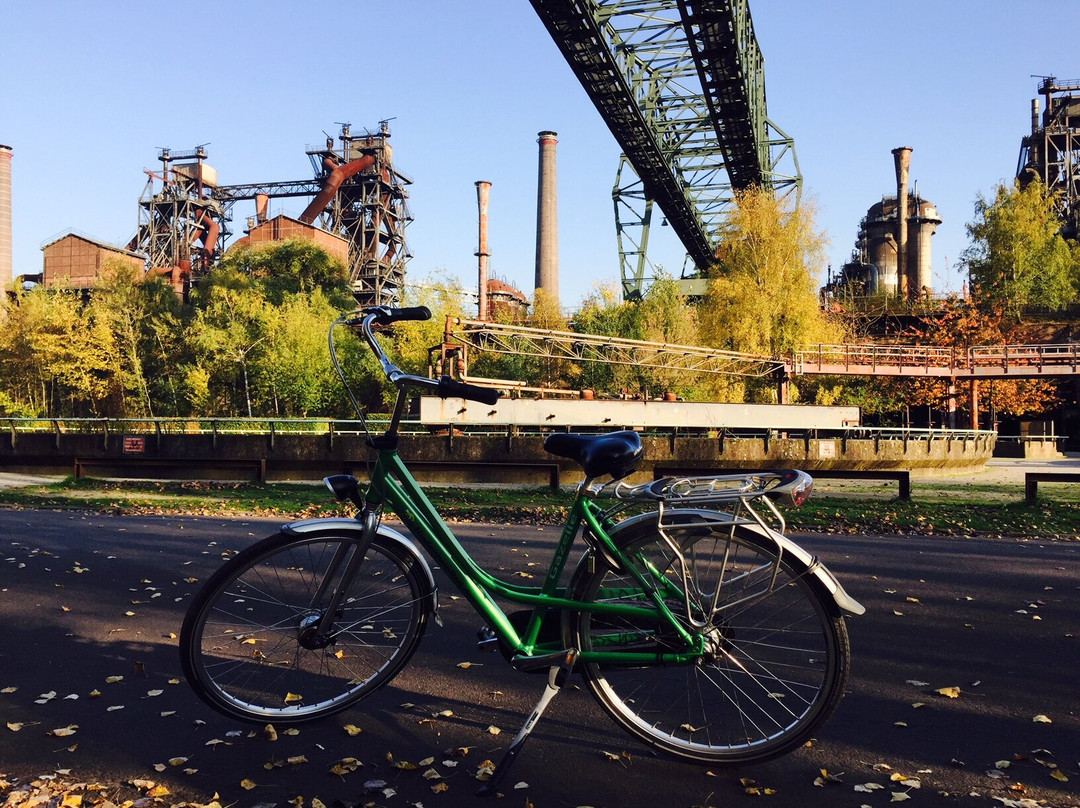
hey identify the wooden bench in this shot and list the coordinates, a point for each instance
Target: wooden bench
(1033, 478)
(902, 477)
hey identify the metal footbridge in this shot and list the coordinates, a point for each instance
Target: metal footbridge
(982, 362)
(681, 86)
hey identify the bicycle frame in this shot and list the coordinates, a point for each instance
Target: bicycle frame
(393, 485)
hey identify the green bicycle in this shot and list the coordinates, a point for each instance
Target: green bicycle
(694, 622)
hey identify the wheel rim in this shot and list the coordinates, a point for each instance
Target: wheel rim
(770, 671)
(257, 651)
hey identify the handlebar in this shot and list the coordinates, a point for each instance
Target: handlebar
(444, 387)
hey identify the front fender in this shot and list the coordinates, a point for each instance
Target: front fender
(844, 602)
(341, 524)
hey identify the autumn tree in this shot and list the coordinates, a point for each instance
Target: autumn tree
(762, 296)
(1017, 257)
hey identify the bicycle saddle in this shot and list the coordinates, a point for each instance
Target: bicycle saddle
(616, 453)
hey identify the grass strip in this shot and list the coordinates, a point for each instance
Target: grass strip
(937, 507)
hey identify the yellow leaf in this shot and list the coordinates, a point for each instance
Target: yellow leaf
(1058, 774)
(114, 679)
(177, 761)
(493, 730)
(247, 785)
(949, 692)
(352, 729)
(440, 787)
(15, 726)
(158, 791)
(64, 731)
(404, 765)
(1041, 719)
(269, 732)
(291, 698)
(9, 690)
(71, 801)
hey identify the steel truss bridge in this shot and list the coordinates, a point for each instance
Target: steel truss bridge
(909, 361)
(681, 86)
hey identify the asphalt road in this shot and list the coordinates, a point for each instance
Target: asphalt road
(87, 598)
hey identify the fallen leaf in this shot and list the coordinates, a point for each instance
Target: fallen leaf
(1058, 774)
(352, 729)
(1041, 719)
(63, 732)
(949, 692)
(247, 785)
(899, 796)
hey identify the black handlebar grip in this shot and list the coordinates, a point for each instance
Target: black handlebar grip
(384, 315)
(451, 388)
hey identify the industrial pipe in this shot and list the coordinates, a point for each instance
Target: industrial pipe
(338, 174)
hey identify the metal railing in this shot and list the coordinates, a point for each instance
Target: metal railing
(982, 360)
(328, 426)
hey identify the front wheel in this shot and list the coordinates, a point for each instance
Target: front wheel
(250, 647)
(771, 659)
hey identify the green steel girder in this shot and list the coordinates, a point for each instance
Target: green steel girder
(680, 84)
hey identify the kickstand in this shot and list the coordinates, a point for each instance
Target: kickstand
(557, 676)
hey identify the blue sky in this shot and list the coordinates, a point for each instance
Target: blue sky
(92, 90)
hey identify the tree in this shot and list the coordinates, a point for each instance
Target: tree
(1017, 257)
(762, 297)
(292, 266)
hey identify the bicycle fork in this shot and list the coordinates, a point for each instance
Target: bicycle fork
(562, 663)
(317, 630)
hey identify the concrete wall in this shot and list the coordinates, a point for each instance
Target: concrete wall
(447, 457)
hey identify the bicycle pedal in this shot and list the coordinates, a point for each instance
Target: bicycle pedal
(486, 639)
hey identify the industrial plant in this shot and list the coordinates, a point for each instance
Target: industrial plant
(357, 213)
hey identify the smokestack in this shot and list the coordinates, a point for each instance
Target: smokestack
(1034, 116)
(483, 192)
(902, 158)
(547, 225)
(6, 263)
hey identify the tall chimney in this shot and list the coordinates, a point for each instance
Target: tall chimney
(1034, 116)
(547, 225)
(6, 263)
(902, 158)
(483, 193)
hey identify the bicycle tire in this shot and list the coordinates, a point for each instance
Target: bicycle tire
(778, 661)
(241, 645)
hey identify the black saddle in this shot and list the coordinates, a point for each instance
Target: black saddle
(616, 453)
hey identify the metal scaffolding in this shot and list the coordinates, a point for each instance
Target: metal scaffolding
(1051, 153)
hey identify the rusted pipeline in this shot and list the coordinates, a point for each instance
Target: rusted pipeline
(334, 179)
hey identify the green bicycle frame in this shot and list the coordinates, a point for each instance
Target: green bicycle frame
(394, 486)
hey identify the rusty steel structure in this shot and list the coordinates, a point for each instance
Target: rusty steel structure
(356, 194)
(181, 226)
(1051, 153)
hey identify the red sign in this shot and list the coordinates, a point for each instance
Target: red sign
(134, 445)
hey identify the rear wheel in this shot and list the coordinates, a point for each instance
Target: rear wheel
(250, 647)
(775, 654)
